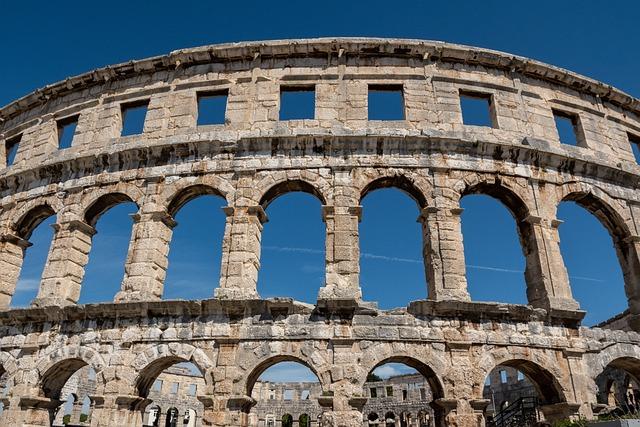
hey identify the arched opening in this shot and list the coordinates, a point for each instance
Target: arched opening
(196, 244)
(373, 419)
(619, 388)
(284, 386)
(390, 419)
(391, 243)
(111, 216)
(152, 417)
(293, 243)
(287, 420)
(398, 387)
(173, 383)
(592, 248)
(35, 227)
(520, 387)
(71, 382)
(171, 420)
(304, 420)
(494, 249)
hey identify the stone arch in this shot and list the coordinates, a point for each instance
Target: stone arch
(57, 368)
(614, 218)
(541, 369)
(289, 186)
(623, 356)
(151, 362)
(99, 205)
(27, 222)
(515, 199)
(180, 192)
(413, 186)
(262, 365)
(424, 368)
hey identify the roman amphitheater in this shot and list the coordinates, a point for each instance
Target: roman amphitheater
(339, 154)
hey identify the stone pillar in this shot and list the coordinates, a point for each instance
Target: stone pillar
(546, 276)
(12, 249)
(29, 411)
(241, 252)
(147, 259)
(114, 410)
(342, 254)
(64, 270)
(443, 251)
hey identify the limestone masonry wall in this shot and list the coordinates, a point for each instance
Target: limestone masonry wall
(338, 156)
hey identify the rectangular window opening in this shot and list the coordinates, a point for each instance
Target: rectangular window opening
(11, 149)
(389, 391)
(568, 127)
(212, 107)
(157, 385)
(297, 102)
(423, 393)
(634, 141)
(66, 131)
(477, 109)
(174, 388)
(503, 377)
(288, 394)
(373, 392)
(404, 394)
(386, 102)
(520, 376)
(133, 117)
(193, 388)
(305, 395)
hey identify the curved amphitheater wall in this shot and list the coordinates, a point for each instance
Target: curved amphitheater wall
(339, 156)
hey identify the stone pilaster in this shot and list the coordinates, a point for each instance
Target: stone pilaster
(342, 254)
(241, 252)
(115, 410)
(147, 259)
(64, 270)
(12, 249)
(443, 252)
(546, 276)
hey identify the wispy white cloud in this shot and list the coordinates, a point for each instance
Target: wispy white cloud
(393, 369)
(27, 285)
(366, 255)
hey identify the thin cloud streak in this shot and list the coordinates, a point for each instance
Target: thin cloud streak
(366, 255)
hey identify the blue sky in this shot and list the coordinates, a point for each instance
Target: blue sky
(51, 41)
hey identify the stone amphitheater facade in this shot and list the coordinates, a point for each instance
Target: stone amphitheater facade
(339, 156)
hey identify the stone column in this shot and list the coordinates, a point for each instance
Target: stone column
(12, 249)
(342, 254)
(443, 251)
(560, 411)
(29, 411)
(64, 270)
(546, 276)
(115, 410)
(241, 252)
(147, 259)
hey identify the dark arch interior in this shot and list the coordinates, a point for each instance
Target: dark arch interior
(56, 377)
(288, 187)
(103, 204)
(619, 387)
(32, 219)
(400, 182)
(188, 194)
